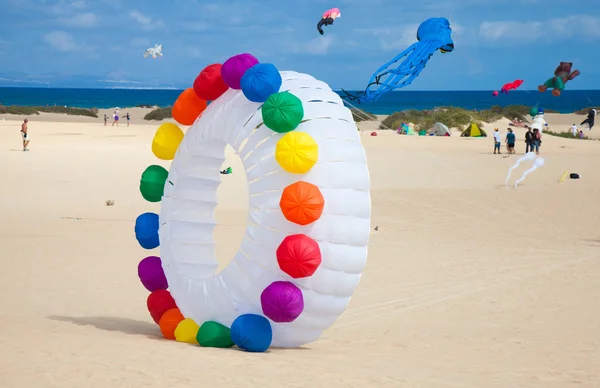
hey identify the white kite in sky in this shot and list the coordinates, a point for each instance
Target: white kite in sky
(154, 51)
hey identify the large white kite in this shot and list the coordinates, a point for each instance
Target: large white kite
(308, 220)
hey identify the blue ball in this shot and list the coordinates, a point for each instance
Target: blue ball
(146, 230)
(260, 81)
(252, 333)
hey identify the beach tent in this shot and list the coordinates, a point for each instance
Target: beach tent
(407, 129)
(439, 129)
(473, 131)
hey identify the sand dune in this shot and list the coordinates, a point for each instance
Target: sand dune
(468, 284)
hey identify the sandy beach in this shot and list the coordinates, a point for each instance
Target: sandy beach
(468, 284)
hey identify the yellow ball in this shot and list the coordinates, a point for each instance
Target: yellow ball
(297, 152)
(166, 141)
(186, 331)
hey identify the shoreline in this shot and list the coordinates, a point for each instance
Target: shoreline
(569, 102)
(557, 122)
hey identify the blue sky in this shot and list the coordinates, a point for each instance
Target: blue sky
(100, 43)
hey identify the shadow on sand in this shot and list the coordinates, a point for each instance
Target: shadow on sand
(123, 325)
(133, 327)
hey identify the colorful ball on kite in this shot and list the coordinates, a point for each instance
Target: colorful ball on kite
(151, 274)
(209, 85)
(282, 302)
(260, 81)
(252, 333)
(166, 141)
(234, 68)
(282, 112)
(146, 230)
(152, 184)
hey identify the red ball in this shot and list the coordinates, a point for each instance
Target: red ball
(158, 302)
(299, 256)
(209, 84)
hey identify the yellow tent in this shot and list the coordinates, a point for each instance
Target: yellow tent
(473, 131)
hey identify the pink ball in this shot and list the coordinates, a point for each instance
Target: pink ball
(234, 68)
(495, 93)
(152, 275)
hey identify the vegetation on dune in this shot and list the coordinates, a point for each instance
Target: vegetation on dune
(35, 110)
(159, 114)
(585, 111)
(165, 113)
(454, 117)
(566, 135)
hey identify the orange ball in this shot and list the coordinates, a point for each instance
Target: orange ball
(168, 323)
(188, 107)
(302, 203)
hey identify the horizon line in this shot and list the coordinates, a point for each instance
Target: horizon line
(334, 89)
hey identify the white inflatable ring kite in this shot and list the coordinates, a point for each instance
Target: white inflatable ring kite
(309, 210)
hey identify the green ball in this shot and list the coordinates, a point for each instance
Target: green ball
(533, 112)
(152, 184)
(214, 335)
(282, 112)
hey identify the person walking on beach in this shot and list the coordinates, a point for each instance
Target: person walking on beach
(574, 131)
(497, 141)
(528, 140)
(115, 118)
(510, 141)
(105, 119)
(128, 118)
(537, 141)
(25, 135)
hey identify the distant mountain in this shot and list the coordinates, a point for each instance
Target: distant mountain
(110, 80)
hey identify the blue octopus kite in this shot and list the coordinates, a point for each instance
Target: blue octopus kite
(433, 34)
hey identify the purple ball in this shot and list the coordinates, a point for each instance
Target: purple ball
(282, 302)
(152, 275)
(234, 68)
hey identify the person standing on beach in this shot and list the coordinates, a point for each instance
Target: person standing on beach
(25, 135)
(116, 118)
(510, 141)
(528, 140)
(105, 119)
(537, 141)
(497, 141)
(128, 118)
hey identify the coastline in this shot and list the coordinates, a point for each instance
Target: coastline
(570, 101)
(557, 122)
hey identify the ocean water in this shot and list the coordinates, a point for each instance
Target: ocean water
(568, 102)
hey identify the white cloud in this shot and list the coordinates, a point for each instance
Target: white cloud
(61, 41)
(145, 21)
(583, 26)
(140, 42)
(319, 46)
(84, 20)
(194, 52)
(194, 26)
(78, 4)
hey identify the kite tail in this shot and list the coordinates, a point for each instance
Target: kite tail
(375, 78)
(532, 169)
(403, 75)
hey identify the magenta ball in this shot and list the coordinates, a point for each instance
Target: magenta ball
(152, 275)
(234, 68)
(282, 302)
(495, 93)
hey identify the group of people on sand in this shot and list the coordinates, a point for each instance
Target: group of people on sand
(116, 118)
(533, 141)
